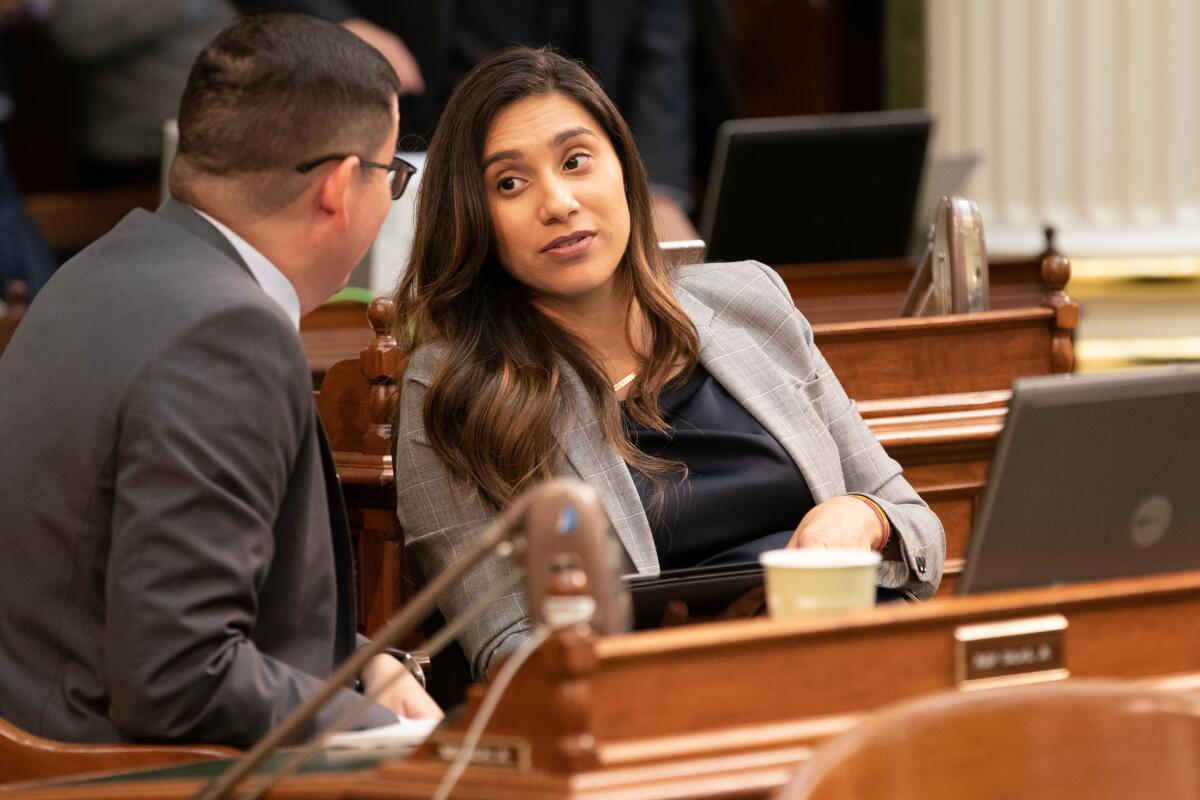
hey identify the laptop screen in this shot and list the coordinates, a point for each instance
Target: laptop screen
(1095, 476)
(786, 190)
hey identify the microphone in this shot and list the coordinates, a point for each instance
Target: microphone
(567, 527)
(571, 562)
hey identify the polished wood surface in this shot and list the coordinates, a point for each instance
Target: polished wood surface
(726, 700)
(74, 219)
(852, 291)
(24, 756)
(939, 355)
(729, 709)
(836, 292)
(1079, 741)
(842, 291)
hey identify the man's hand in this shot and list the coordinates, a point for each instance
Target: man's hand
(839, 522)
(405, 696)
(393, 50)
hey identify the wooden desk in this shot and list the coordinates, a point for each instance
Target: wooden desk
(935, 390)
(836, 292)
(853, 291)
(729, 709)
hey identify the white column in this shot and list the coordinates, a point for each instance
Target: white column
(1086, 114)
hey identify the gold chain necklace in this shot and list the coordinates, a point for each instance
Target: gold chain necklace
(621, 384)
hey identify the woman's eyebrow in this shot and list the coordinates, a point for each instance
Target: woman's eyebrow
(516, 155)
(503, 155)
(571, 133)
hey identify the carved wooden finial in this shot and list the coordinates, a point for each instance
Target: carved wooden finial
(382, 356)
(381, 313)
(1049, 232)
(1056, 272)
(380, 365)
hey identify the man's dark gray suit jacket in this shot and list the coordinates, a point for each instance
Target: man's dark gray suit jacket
(174, 558)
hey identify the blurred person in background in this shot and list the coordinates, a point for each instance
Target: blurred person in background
(24, 255)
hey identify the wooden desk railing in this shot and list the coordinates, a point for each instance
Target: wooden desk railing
(854, 291)
(24, 756)
(933, 389)
(729, 709)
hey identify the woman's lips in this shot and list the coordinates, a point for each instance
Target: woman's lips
(569, 246)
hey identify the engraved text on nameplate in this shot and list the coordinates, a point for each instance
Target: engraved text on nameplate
(504, 752)
(1015, 651)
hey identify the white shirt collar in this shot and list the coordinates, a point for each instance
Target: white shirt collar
(272, 281)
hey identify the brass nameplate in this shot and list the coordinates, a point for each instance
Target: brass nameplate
(502, 752)
(1025, 650)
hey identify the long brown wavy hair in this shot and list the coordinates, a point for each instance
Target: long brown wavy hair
(496, 403)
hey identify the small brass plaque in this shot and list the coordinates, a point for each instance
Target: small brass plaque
(1025, 650)
(502, 752)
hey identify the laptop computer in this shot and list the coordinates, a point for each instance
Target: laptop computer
(786, 190)
(1095, 476)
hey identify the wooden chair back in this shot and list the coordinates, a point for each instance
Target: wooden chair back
(1071, 741)
(357, 404)
(25, 757)
(357, 398)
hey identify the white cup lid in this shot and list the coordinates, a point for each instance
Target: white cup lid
(820, 558)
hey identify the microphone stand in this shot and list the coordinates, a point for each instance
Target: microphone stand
(505, 530)
(541, 518)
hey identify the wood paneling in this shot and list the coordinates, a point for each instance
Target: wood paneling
(72, 220)
(729, 709)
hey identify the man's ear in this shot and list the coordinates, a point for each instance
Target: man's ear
(334, 194)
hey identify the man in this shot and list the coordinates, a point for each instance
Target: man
(176, 564)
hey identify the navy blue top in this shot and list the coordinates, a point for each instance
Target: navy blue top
(743, 494)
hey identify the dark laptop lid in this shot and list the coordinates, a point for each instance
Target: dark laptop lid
(786, 190)
(1095, 476)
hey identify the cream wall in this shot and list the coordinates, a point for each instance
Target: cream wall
(1086, 113)
(1087, 116)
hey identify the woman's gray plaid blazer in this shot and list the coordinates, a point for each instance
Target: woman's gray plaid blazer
(760, 348)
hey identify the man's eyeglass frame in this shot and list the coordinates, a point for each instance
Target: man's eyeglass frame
(401, 170)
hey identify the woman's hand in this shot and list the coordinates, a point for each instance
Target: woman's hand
(839, 522)
(405, 696)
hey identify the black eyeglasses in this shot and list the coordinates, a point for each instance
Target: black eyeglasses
(399, 171)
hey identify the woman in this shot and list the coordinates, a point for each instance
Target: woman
(548, 336)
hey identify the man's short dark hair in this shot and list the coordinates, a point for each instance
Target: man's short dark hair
(274, 90)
